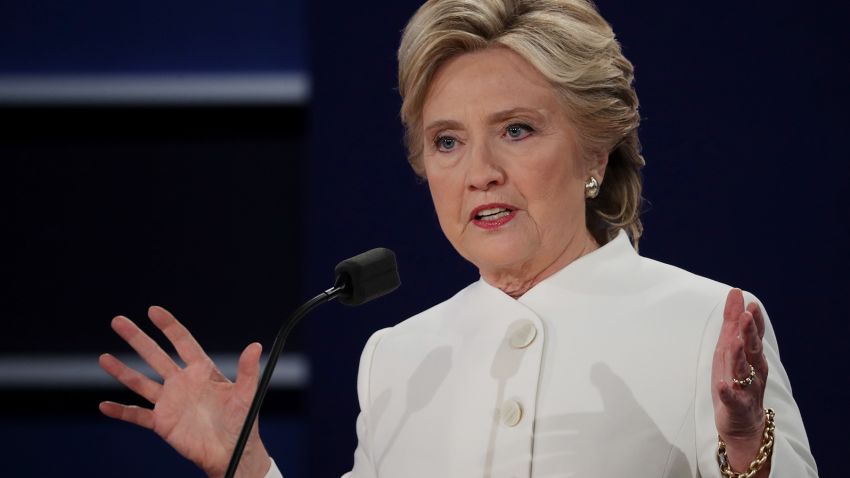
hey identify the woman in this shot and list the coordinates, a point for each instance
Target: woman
(572, 355)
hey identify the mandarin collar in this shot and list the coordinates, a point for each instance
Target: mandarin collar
(592, 271)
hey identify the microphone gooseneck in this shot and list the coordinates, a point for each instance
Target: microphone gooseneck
(359, 279)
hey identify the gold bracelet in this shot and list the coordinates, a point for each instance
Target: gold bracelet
(764, 451)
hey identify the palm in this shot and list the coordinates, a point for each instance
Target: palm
(197, 410)
(191, 430)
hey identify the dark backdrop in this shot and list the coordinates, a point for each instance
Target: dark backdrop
(230, 216)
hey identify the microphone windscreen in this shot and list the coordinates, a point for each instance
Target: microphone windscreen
(367, 276)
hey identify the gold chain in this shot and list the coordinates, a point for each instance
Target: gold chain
(764, 451)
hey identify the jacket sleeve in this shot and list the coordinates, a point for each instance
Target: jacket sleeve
(791, 457)
(273, 472)
(364, 463)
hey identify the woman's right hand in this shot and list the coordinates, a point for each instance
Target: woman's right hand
(196, 409)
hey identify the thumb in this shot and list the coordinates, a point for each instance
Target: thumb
(248, 372)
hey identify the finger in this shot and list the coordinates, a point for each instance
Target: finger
(727, 395)
(737, 364)
(128, 413)
(750, 337)
(754, 309)
(248, 372)
(753, 347)
(145, 346)
(731, 312)
(130, 378)
(185, 344)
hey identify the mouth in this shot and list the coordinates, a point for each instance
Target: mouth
(492, 215)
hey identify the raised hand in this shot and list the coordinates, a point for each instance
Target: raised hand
(196, 409)
(738, 402)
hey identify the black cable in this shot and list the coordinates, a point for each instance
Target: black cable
(263, 385)
(359, 279)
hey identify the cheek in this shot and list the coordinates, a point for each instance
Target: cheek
(447, 201)
(556, 193)
(565, 196)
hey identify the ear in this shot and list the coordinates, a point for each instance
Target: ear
(596, 164)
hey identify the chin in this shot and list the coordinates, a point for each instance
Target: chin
(498, 254)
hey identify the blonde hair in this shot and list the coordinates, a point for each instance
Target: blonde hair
(575, 49)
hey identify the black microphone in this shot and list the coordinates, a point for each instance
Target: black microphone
(367, 276)
(359, 279)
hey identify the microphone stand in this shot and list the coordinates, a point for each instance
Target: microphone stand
(359, 279)
(263, 386)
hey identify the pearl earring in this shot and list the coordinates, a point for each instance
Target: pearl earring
(591, 188)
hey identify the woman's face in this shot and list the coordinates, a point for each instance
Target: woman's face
(502, 162)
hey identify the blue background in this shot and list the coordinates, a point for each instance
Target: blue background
(102, 36)
(744, 132)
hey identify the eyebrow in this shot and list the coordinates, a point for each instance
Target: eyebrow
(505, 114)
(496, 117)
(443, 124)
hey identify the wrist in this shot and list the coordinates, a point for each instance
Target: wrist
(255, 462)
(740, 452)
(737, 458)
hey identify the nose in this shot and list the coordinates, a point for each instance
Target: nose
(484, 169)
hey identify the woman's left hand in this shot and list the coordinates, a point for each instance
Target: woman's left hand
(738, 407)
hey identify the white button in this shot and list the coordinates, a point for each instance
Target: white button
(511, 413)
(523, 334)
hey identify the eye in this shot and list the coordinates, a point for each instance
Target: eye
(445, 143)
(518, 131)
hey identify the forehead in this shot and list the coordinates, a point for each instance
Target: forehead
(489, 80)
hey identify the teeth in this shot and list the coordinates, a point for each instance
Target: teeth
(493, 214)
(494, 217)
(487, 212)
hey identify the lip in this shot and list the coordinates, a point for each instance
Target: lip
(490, 225)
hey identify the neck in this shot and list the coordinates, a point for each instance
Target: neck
(517, 281)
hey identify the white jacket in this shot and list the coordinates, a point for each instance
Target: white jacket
(601, 370)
